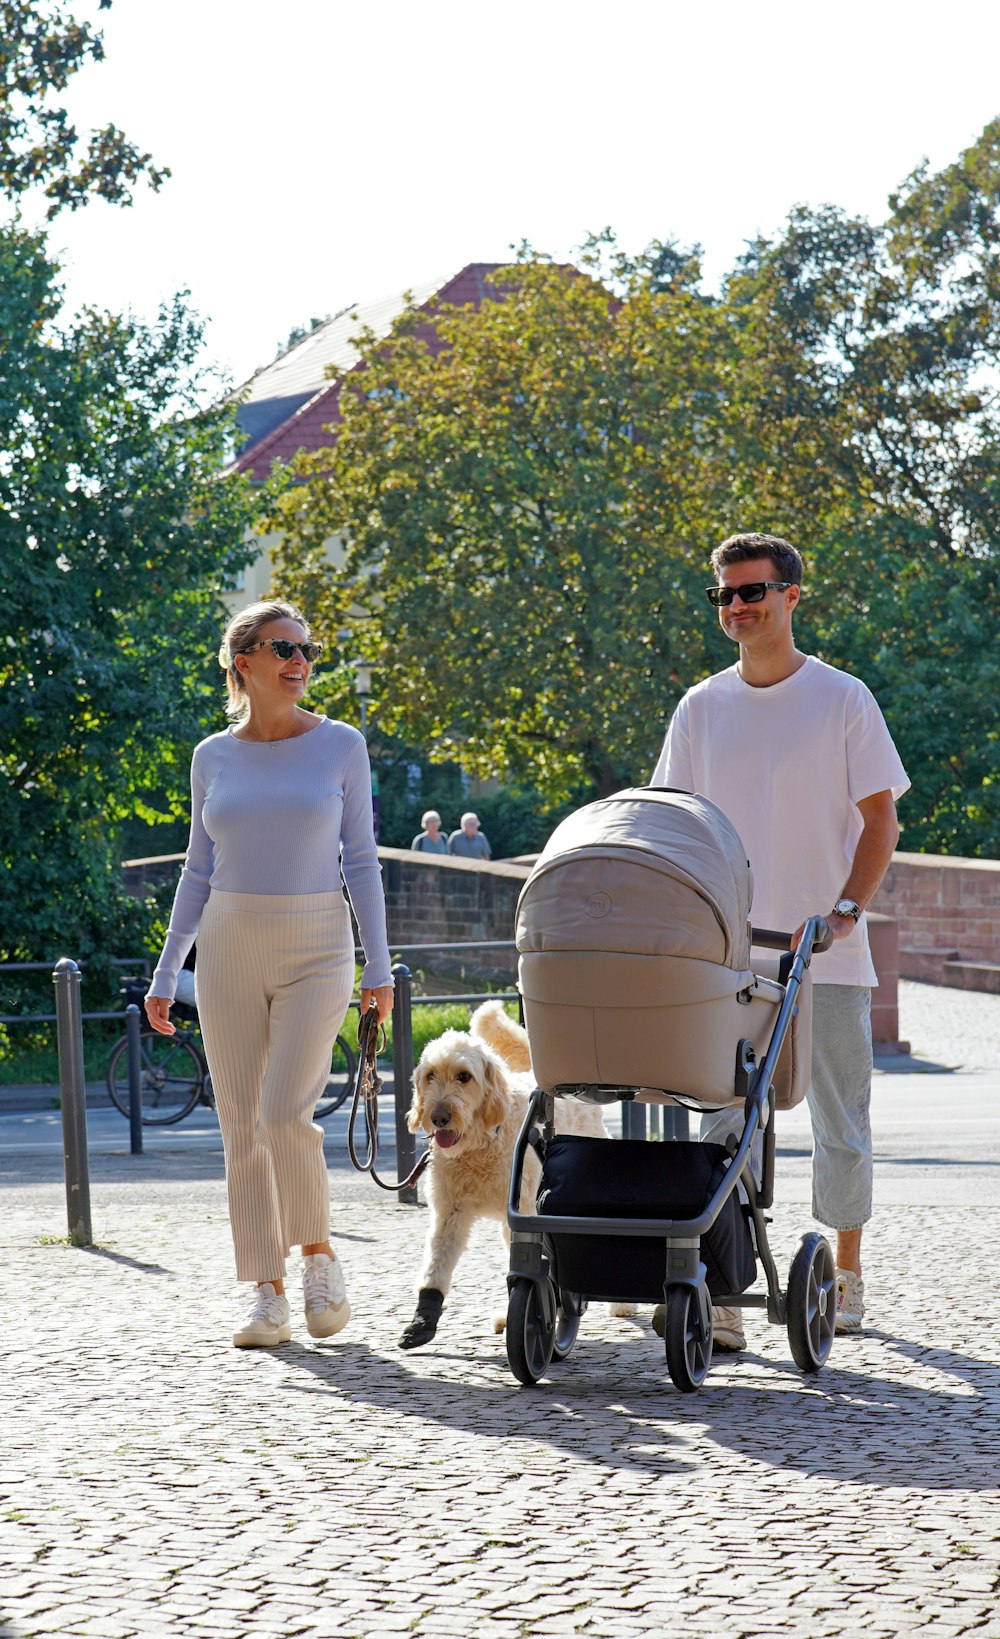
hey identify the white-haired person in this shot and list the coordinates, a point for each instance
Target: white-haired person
(430, 839)
(281, 819)
(469, 842)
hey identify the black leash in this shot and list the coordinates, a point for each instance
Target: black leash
(367, 1088)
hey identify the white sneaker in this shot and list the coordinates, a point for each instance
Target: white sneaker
(850, 1301)
(727, 1329)
(268, 1322)
(327, 1308)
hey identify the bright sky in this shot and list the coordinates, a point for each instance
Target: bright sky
(325, 153)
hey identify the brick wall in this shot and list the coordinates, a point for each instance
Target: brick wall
(429, 900)
(948, 914)
(435, 900)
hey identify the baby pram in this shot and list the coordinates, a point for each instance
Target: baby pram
(636, 977)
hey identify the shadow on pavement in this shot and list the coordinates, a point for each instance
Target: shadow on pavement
(904, 1064)
(613, 1403)
(120, 1257)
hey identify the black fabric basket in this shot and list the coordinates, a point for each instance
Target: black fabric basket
(598, 1177)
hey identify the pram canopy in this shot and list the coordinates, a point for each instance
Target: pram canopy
(634, 940)
(649, 871)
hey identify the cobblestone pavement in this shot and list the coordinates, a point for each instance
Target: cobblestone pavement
(154, 1480)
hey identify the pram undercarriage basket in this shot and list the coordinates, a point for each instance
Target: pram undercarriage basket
(637, 981)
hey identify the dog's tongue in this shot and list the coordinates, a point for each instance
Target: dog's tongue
(446, 1138)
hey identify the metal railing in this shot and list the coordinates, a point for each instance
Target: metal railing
(69, 1020)
(141, 964)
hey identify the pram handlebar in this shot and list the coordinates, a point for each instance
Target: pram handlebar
(769, 939)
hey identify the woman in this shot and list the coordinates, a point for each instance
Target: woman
(280, 804)
(430, 840)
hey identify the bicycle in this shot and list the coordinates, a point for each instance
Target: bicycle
(174, 1076)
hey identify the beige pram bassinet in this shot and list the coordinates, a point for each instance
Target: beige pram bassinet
(634, 934)
(638, 983)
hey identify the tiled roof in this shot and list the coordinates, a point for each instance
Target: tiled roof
(290, 403)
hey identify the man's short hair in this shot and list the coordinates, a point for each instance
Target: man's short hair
(738, 548)
(470, 819)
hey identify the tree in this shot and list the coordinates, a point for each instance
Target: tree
(525, 491)
(868, 402)
(41, 47)
(299, 332)
(116, 534)
(528, 493)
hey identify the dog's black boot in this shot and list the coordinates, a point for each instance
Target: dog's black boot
(424, 1324)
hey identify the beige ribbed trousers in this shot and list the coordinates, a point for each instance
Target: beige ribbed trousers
(274, 978)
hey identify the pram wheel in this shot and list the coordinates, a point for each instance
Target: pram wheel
(568, 1317)
(811, 1303)
(531, 1329)
(689, 1345)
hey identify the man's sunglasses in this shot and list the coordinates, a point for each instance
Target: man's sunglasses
(755, 591)
(284, 649)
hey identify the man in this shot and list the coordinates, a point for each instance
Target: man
(469, 842)
(797, 754)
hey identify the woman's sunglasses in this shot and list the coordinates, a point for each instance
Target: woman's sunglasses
(284, 649)
(755, 591)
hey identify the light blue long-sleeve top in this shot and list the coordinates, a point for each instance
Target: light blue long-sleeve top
(280, 817)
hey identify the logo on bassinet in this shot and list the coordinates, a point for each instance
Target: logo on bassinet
(597, 905)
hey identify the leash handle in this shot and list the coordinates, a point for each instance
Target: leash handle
(367, 1088)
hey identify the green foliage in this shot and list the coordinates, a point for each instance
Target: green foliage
(116, 534)
(299, 332)
(522, 505)
(408, 785)
(41, 47)
(530, 503)
(520, 822)
(429, 1022)
(868, 379)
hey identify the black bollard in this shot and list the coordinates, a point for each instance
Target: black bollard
(633, 1119)
(133, 1031)
(73, 1100)
(402, 1073)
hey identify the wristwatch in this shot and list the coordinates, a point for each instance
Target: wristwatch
(847, 907)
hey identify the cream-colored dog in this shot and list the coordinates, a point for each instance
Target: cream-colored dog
(467, 1096)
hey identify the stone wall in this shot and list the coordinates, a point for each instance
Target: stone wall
(439, 900)
(948, 914)
(429, 900)
(432, 899)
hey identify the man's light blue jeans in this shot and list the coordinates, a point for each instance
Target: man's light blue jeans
(839, 1107)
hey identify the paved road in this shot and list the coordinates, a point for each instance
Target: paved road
(154, 1480)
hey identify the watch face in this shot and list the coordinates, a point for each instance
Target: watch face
(847, 907)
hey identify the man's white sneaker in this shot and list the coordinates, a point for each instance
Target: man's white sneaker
(327, 1308)
(269, 1321)
(850, 1301)
(727, 1327)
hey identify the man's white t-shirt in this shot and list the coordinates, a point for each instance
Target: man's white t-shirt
(788, 764)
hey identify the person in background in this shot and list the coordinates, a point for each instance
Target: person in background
(797, 754)
(469, 842)
(280, 807)
(430, 839)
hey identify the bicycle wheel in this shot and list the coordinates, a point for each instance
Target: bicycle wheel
(341, 1083)
(170, 1078)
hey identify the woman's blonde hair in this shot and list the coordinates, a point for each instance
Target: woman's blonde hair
(242, 633)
